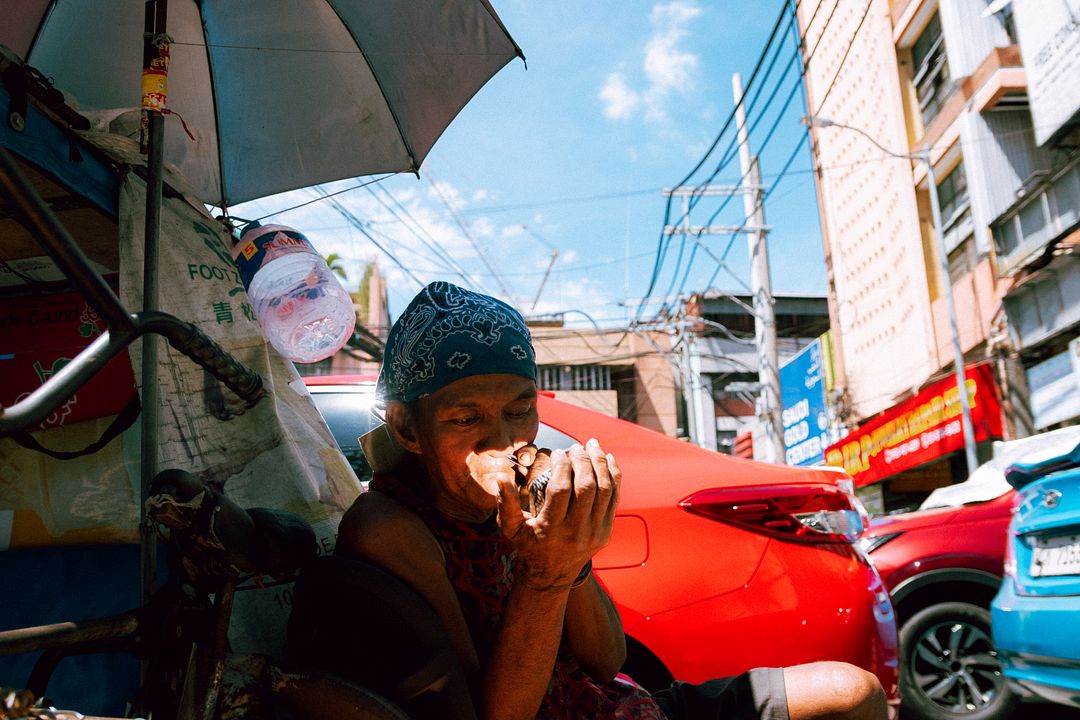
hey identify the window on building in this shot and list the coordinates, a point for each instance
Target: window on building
(1006, 238)
(725, 441)
(931, 70)
(556, 378)
(952, 195)
(962, 260)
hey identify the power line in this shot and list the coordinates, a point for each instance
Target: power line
(799, 43)
(787, 165)
(468, 235)
(730, 152)
(355, 221)
(326, 195)
(428, 242)
(726, 200)
(716, 141)
(844, 58)
(433, 267)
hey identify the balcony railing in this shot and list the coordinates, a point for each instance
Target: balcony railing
(1048, 209)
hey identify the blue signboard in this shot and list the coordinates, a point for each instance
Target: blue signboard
(802, 395)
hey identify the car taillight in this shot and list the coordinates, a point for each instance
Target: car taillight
(803, 513)
(1010, 556)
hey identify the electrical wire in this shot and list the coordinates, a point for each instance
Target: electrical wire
(844, 58)
(780, 114)
(799, 84)
(469, 237)
(428, 242)
(731, 150)
(326, 195)
(356, 223)
(716, 141)
(726, 157)
(432, 266)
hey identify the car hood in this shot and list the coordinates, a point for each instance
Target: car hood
(905, 522)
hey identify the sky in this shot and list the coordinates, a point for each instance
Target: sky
(619, 100)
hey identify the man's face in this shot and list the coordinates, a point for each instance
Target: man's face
(463, 425)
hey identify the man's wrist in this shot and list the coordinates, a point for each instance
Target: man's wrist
(583, 576)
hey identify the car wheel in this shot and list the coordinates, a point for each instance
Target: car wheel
(950, 668)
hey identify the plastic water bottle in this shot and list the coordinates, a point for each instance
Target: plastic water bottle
(302, 308)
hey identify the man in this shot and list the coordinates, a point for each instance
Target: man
(537, 634)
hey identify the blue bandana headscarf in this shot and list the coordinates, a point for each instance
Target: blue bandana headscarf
(448, 333)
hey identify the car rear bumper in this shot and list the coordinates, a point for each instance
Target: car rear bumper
(803, 604)
(1038, 639)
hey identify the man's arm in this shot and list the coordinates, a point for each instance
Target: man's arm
(594, 630)
(513, 683)
(574, 523)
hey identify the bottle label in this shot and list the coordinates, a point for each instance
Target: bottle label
(264, 245)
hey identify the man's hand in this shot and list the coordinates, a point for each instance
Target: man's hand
(575, 520)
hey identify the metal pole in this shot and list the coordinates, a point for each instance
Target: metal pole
(155, 69)
(946, 282)
(704, 408)
(768, 410)
(683, 364)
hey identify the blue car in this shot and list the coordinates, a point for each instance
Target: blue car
(1035, 618)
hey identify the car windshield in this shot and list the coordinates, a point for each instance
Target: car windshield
(349, 415)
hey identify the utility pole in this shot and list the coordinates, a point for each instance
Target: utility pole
(768, 402)
(697, 394)
(697, 426)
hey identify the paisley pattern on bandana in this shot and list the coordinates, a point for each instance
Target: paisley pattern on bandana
(448, 333)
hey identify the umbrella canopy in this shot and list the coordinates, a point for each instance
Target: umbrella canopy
(278, 94)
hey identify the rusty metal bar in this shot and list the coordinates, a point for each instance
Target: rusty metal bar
(218, 644)
(42, 637)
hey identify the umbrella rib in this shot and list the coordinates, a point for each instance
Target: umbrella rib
(498, 21)
(390, 108)
(37, 31)
(217, 117)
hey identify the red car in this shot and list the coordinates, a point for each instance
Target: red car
(716, 564)
(943, 567)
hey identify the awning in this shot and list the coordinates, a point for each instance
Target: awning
(920, 429)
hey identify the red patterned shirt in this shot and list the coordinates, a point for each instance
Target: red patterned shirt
(479, 563)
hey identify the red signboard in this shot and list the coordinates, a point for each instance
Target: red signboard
(920, 429)
(41, 334)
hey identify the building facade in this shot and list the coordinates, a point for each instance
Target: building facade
(720, 360)
(951, 79)
(619, 373)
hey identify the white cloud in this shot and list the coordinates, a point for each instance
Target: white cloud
(482, 227)
(421, 240)
(666, 65)
(669, 69)
(620, 101)
(448, 193)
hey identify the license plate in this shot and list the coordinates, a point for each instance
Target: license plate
(1056, 556)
